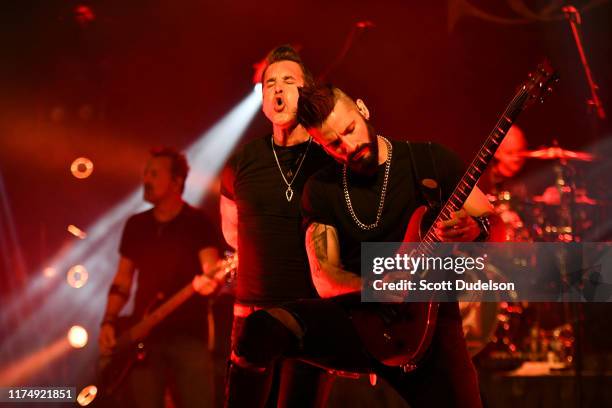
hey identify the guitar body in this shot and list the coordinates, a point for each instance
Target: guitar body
(399, 334)
(113, 369)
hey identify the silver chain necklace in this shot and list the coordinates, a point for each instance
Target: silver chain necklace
(289, 191)
(383, 192)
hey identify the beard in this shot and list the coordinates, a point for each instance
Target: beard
(365, 163)
(148, 194)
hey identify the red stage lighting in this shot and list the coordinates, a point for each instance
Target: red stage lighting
(77, 276)
(77, 337)
(81, 168)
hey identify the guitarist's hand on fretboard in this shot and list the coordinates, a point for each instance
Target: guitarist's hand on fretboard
(207, 285)
(204, 285)
(459, 228)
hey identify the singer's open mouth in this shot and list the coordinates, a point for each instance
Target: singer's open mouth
(279, 104)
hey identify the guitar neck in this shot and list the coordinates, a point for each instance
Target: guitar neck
(475, 169)
(141, 329)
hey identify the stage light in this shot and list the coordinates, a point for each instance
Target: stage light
(81, 167)
(77, 276)
(19, 371)
(77, 337)
(258, 89)
(84, 15)
(49, 272)
(76, 231)
(207, 155)
(87, 395)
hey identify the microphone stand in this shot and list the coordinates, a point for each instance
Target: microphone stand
(573, 17)
(594, 104)
(356, 28)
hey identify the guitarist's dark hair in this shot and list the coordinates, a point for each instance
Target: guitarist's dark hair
(316, 103)
(179, 168)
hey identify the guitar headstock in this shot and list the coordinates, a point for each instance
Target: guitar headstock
(539, 83)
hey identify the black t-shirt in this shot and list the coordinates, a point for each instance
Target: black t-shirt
(273, 264)
(323, 200)
(166, 256)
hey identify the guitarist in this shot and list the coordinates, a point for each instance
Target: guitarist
(382, 194)
(169, 245)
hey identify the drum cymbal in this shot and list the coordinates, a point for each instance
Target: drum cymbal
(557, 153)
(552, 196)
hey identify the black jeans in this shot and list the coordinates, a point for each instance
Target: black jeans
(291, 382)
(445, 378)
(180, 362)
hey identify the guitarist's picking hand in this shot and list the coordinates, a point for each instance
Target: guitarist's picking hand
(107, 340)
(459, 228)
(396, 277)
(204, 285)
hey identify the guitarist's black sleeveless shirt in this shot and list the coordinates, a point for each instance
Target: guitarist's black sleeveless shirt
(323, 199)
(166, 258)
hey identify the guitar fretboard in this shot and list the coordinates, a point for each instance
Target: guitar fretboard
(475, 169)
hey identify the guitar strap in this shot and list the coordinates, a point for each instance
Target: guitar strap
(426, 174)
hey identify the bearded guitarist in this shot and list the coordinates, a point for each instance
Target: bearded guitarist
(169, 245)
(367, 196)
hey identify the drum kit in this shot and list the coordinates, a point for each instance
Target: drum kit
(505, 334)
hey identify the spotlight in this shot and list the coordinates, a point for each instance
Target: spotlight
(77, 337)
(87, 395)
(258, 88)
(77, 276)
(207, 155)
(49, 272)
(84, 15)
(81, 168)
(76, 231)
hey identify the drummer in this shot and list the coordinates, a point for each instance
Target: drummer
(503, 185)
(501, 177)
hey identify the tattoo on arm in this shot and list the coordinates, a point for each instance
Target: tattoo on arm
(323, 250)
(319, 241)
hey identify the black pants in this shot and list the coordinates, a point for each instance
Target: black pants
(180, 362)
(445, 378)
(291, 382)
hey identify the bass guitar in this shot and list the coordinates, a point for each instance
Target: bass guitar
(130, 348)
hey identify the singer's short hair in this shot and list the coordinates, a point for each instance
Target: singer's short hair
(179, 168)
(316, 103)
(287, 53)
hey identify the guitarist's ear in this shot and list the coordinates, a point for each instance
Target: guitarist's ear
(363, 109)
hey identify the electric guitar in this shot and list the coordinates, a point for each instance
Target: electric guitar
(113, 368)
(401, 336)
